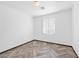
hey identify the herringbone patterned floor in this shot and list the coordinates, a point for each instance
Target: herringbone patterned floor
(39, 49)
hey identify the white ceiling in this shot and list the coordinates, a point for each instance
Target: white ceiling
(28, 7)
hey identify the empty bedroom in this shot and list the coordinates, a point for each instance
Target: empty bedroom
(39, 29)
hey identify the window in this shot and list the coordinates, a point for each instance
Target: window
(49, 25)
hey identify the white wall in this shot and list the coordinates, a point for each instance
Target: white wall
(63, 24)
(75, 24)
(15, 28)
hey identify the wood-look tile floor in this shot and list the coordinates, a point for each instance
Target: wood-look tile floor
(40, 49)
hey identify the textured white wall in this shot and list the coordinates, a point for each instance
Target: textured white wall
(63, 24)
(75, 28)
(15, 28)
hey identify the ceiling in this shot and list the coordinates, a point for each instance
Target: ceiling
(47, 6)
